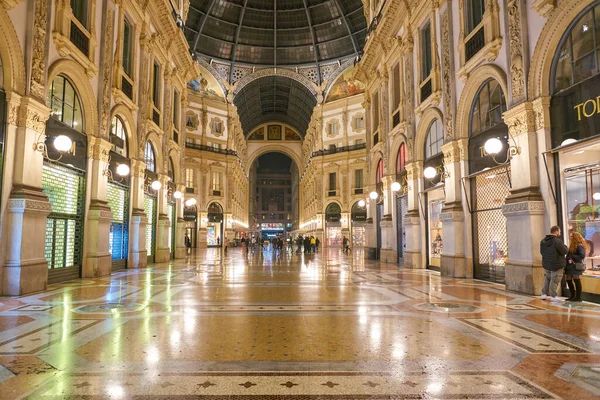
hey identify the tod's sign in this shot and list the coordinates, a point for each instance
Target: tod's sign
(588, 108)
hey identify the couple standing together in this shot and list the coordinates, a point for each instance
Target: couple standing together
(557, 259)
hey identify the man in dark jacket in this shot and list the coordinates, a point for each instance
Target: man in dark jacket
(553, 252)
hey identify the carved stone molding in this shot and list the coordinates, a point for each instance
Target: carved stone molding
(22, 205)
(10, 4)
(38, 51)
(541, 111)
(98, 148)
(530, 207)
(106, 73)
(329, 129)
(447, 76)
(454, 151)
(516, 51)
(33, 115)
(544, 7)
(520, 119)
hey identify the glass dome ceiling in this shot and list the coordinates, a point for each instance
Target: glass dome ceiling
(276, 33)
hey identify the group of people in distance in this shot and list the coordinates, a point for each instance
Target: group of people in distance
(309, 244)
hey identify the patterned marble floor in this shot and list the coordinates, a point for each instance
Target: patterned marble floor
(268, 326)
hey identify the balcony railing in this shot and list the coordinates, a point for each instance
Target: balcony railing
(79, 39)
(474, 44)
(204, 147)
(336, 150)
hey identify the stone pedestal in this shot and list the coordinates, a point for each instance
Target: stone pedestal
(163, 253)
(138, 255)
(453, 262)
(98, 260)
(26, 268)
(525, 230)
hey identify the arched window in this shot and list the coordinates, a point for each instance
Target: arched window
(171, 171)
(333, 212)
(64, 103)
(401, 159)
(118, 137)
(488, 107)
(149, 158)
(435, 139)
(576, 60)
(379, 172)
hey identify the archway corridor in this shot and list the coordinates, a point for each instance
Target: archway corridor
(262, 323)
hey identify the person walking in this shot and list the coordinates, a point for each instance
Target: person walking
(575, 265)
(553, 252)
(306, 244)
(313, 244)
(317, 243)
(345, 247)
(225, 244)
(188, 244)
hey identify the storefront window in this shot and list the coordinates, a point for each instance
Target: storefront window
(435, 139)
(64, 103)
(149, 158)
(582, 200)
(436, 244)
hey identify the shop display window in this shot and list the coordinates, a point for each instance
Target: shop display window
(436, 243)
(582, 213)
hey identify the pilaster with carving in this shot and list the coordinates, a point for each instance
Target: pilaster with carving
(38, 51)
(448, 74)
(107, 72)
(517, 64)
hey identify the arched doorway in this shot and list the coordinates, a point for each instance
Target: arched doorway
(575, 138)
(490, 182)
(64, 182)
(434, 193)
(190, 216)
(358, 215)
(117, 195)
(273, 198)
(214, 231)
(401, 202)
(333, 225)
(150, 199)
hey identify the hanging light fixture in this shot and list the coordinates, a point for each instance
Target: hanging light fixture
(123, 169)
(373, 195)
(177, 194)
(156, 185)
(190, 202)
(396, 186)
(62, 143)
(429, 173)
(362, 203)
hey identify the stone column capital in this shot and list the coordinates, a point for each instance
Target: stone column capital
(98, 148)
(414, 170)
(541, 112)
(455, 150)
(137, 168)
(32, 114)
(520, 119)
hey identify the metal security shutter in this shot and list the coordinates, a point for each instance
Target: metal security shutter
(118, 200)
(65, 188)
(490, 247)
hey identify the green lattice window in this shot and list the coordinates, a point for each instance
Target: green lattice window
(150, 210)
(65, 188)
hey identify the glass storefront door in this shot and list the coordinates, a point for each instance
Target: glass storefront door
(118, 199)
(334, 235)
(65, 188)
(358, 235)
(435, 202)
(172, 221)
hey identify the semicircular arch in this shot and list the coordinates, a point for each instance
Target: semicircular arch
(13, 62)
(78, 77)
(428, 117)
(127, 118)
(336, 202)
(547, 45)
(154, 140)
(273, 148)
(399, 140)
(476, 79)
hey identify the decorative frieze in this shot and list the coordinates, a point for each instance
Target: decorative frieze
(544, 7)
(531, 207)
(520, 119)
(33, 115)
(447, 75)
(106, 73)
(38, 51)
(22, 205)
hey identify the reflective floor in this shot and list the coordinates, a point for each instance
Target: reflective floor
(269, 326)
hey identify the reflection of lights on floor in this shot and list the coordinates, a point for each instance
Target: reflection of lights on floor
(435, 387)
(115, 391)
(153, 356)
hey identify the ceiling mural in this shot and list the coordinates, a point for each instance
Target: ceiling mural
(345, 86)
(206, 84)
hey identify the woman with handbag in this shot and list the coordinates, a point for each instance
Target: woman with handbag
(575, 265)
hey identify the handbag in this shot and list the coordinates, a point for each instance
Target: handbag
(579, 266)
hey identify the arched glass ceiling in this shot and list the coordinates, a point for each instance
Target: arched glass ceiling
(275, 98)
(276, 32)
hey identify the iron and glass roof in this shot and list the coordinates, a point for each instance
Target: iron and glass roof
(276, 32)
(275, 98)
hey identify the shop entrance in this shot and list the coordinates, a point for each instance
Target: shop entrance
(401, 210)
(190, 216)
(358, 216)
(214, 234)
(434, 233)
(117, 195)
(490, 242)
(333, 215)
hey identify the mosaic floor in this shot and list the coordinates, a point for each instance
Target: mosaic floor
(267, 326)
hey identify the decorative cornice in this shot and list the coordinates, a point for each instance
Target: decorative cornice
(531, 207)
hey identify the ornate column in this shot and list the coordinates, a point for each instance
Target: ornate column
(163, 224)
(517, 61)
(138, 255)
(414, 256)
(524, 208)
(26, 268)
(97, 260)
(454, 262)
